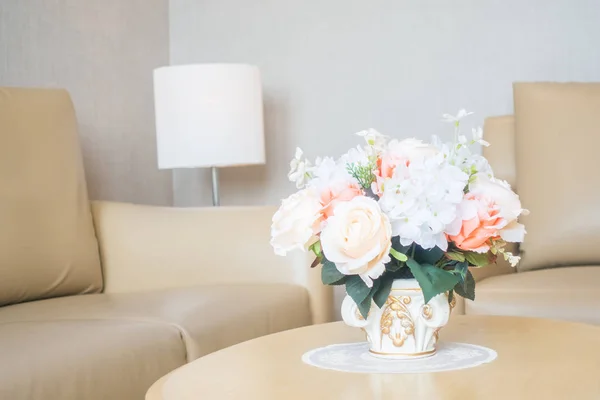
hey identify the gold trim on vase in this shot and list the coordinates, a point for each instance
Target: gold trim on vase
(423, 353)
(395, 309)
(427, 312)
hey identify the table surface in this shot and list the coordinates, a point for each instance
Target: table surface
(537, 358)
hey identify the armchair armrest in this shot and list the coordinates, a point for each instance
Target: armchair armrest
(146, 248)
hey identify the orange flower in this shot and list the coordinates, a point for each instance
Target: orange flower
(476, 232)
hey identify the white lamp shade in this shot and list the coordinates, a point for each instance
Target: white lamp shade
(208, 115)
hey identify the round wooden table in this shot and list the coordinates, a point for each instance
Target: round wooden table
(537, 358)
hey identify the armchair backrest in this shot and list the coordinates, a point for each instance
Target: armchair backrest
(548, 152)
(48, 247)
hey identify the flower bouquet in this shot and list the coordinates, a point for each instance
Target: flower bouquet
(399, 223)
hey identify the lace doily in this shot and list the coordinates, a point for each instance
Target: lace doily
(355, 357)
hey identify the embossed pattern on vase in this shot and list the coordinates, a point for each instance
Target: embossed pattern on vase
(396, 321)
(404, 327)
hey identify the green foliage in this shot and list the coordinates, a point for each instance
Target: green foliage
(361, 293)
(477, 259)
(433, 280)
(431, 256)
(381, 295)
(455, 256)
(316, 248)
(397, 255)
(362, 173)
(461, 269)
(466, 288)
(330, 274)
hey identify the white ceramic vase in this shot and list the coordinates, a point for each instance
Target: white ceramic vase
(405, 327)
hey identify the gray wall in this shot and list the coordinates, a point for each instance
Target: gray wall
(333, 67)
(103, 52)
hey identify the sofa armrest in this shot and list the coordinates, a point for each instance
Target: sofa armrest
(146, 248)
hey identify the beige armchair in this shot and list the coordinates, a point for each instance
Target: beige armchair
(548, 152)
(98, 302)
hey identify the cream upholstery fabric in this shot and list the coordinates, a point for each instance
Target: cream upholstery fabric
(85, 359)
(208, 317)
(557, 141)
(500, 133)
(47, 242)
(147, 248)
(558, 293)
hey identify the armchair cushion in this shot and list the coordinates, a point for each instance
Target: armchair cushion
(557, 141)
(558, 293)
(48, 246)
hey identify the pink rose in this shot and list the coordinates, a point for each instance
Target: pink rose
(340, 192)
(476, 232)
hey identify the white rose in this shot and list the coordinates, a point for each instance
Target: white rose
(411, 149)
(508, 202)
(296, 222)
(357, 238)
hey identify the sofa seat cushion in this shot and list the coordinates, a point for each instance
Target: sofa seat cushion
(85, 359)
(558, 293)
(208, 318)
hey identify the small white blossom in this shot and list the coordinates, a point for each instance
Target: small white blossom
(512, 259)
(478, 137)
(456, 118)
(421, 200)
(300, 169)
(373, 138)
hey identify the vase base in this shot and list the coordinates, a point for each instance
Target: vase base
(402, 356)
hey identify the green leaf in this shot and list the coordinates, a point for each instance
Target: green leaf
(453, 255)
(466, 288)
(477, 259)
(430, 256)
(330, 274)
(433, 280)
(461, 269)
(397, 255)
(316, 248)
(357, 289)
(365, 305)
(382, 294)
(393, 266)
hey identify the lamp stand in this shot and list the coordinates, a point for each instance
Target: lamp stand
(215, 186)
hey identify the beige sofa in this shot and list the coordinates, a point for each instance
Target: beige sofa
(548, 151)
(99, 301)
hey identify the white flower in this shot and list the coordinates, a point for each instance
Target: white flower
(299, 170)
(462, 113)
(357, 155)
(373, 138)
(421, 200)
(478, 137)
(512, 259)
(508, 201)
(296, 222)
(460, 155)
(357, 238)
(411, 150)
